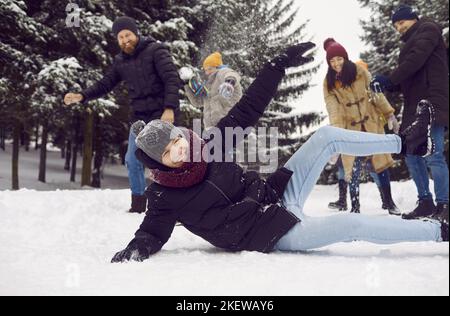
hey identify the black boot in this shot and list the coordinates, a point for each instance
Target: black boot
(340, 204)
(384, 205)
(354, 195)
(442, 216)
(388, 202)
(425, 208)
(441, 208)
(138, 204)
(416, 138)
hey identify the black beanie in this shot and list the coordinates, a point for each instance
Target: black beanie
(124, 23)
(404, 12)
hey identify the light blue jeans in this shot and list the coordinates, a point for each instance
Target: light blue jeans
(136, 171)
(316, 232)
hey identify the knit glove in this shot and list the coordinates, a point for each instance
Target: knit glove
(226, 90)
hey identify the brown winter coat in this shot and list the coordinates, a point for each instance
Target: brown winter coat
(356, 108)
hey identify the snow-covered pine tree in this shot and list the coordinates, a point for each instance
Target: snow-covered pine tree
(19, 65)
(34, 34)
(55, 79)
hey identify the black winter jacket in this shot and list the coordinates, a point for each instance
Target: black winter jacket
(230, 209)
(422, 72)
(151, 76)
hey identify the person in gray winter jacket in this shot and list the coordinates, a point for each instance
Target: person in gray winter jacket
(219, 94)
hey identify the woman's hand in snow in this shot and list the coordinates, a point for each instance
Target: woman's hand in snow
(139, 249)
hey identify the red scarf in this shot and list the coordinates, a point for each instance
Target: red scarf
(188, 175)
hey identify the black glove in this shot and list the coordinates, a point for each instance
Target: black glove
(380, 84)
(265, 192)
(279, 180)
(293, 56)
(139, 249)
(254, 187)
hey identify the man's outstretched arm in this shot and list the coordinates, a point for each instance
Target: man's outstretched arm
(100, 88)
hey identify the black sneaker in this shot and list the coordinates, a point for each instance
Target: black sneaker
(442, 216)
(417, 136)
(425, 208)
(441, 208)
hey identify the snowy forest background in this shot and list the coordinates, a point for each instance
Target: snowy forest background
(41, 59)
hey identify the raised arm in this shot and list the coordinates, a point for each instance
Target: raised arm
(251, 107)
(103, 86)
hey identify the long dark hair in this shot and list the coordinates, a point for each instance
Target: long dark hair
(347, 77)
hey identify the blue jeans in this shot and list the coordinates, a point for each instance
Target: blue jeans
(136, 171)
(315, 232)
(418, 168)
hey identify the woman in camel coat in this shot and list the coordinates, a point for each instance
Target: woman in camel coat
(352, 106)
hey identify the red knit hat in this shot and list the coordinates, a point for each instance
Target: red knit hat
(334, 49)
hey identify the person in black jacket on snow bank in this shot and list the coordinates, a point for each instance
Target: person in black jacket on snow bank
(239, 211)
(153, 87)
(422, 73)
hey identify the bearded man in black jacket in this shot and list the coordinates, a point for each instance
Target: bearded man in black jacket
(153, 87)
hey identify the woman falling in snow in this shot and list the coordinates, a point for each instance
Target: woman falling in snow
(239, 211)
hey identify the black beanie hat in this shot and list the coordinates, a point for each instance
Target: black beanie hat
(404, 12)
(124, 23)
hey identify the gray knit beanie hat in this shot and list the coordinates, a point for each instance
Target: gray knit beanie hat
(154, 137)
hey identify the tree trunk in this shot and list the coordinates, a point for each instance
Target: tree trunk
(27, 141)
(15, 155)
(2, 138)
(73, 170)
(86, 174)
(43, 156)
(36, 137)
(25, 138)
(68, 155)
(98, 158)
(63, 149)
(76, 140)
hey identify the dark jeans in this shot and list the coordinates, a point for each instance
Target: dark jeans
(418, 168)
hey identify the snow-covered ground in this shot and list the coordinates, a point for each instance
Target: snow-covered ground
(61, 243)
